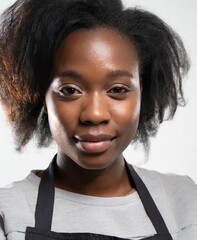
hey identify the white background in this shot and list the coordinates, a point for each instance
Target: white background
(175, 147)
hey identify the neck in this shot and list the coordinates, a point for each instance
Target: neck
(111, 181)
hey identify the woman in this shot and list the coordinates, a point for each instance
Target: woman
(93, 77)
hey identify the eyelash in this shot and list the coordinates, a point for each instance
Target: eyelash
(69, 88)
(125, 90)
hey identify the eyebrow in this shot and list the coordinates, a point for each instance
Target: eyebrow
(120, 73)
(69, 73)
(112, 74)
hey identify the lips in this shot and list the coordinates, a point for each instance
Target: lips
(94, 143)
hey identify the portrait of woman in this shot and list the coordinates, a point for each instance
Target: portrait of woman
(93, 77)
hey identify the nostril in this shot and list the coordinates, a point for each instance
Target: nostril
(95, 111)
(87, 122)
(93, 122)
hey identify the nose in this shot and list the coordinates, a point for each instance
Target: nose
(95, 110)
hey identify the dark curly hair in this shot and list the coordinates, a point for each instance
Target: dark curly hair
(30, 33)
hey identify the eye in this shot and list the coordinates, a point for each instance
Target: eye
(69, 92)
(118, 90)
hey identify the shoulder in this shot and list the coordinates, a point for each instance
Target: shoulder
(9, 193)
(174, 195)
(172, 184)
(18, 195)
(17, 201)
(18, 189)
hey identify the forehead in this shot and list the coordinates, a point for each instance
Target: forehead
(106, 46)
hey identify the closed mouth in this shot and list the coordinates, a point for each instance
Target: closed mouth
(94, 138)
(94, 143)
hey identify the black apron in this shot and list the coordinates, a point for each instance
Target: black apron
(44, 211)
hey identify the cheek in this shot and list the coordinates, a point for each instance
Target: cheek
(128, 110)
(61, 117)
(127, 115)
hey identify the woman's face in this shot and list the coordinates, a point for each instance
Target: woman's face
(93, 101)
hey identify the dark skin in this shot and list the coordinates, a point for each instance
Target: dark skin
(93, 106)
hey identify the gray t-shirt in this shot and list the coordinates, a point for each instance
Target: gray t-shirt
(125, 217)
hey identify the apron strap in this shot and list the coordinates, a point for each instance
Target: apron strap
(149, 204)
(46, 196)
(45, 200)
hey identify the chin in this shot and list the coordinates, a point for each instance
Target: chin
(95, 162)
